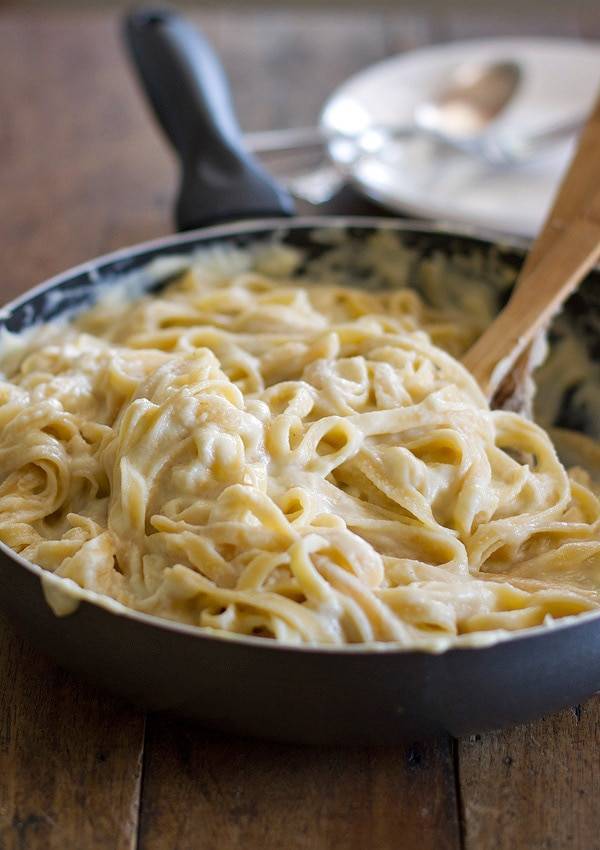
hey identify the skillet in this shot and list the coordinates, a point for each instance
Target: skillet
(249, 685)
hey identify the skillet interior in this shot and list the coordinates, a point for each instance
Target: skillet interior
(351, 695)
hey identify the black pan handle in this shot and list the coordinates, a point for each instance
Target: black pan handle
(186, 85)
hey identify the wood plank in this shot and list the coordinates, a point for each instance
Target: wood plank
(87, 173)
(204, 791)
(70, 758)
(213, 793)
(408, 29)
(510, 7)
(282, 64)
(534, 787)
(504, 20)
(588, 21)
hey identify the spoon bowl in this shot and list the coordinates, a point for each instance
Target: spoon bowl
(476, 96)
(457, 114)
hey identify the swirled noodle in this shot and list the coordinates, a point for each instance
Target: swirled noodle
(259, 455)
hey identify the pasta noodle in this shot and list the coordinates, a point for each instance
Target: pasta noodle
(289, 458)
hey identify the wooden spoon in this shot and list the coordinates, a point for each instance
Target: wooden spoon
(564, 252)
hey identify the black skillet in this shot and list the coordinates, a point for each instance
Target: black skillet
(250, 685)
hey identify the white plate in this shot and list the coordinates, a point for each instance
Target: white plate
(421, 177)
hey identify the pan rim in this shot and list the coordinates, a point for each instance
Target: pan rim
(243, 227)
(373, 648)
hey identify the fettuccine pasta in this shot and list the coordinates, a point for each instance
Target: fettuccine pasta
(303, 461)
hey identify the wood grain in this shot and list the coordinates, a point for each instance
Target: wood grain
(70, 758)
(85, 172)
(247, 794)
(535, 787)
(89, 172)
(214, 793)
(103, 178)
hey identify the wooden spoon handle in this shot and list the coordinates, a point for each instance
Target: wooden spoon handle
(576, 206)
(539, 295)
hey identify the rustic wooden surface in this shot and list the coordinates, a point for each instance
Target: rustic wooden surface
(83, 172)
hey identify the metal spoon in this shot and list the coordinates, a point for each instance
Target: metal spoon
(458, 114)
(462, 109)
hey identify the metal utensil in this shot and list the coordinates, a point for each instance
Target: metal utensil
(505, 148)
(461, 117)
(498, 150)
(460, 110)
(457, 115)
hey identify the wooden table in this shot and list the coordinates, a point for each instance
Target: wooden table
(84, 172)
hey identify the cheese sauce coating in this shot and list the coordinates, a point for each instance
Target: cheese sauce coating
(303, 461)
